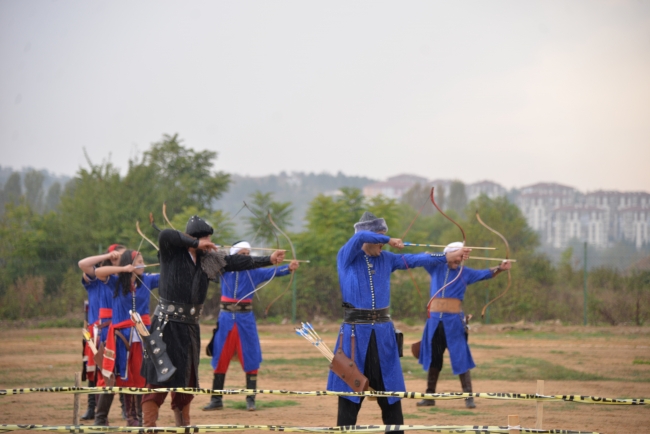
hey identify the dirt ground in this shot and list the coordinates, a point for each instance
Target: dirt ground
(611, 362)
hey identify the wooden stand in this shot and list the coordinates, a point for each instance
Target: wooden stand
(540, 405)
(513, 420)
(75, 405)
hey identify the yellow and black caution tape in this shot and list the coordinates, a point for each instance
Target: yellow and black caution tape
(377, 394)
(477, 429)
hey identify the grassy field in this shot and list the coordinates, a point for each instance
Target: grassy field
(607, 362)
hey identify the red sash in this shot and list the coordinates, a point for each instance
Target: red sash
(109, 350)
(105, 313)
(89, 357)
(234, 300)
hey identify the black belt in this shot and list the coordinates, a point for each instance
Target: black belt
(236, 308)
(365, 316)
(172, 311)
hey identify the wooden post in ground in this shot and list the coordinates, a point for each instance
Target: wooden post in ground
(540, 405)
(513, 421)
(75, 406)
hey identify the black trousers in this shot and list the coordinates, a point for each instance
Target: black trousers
(438, 347)
(391, 414)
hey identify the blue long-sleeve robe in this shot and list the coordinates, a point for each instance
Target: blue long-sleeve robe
(100, 296)
(354, 280)
(94, 293)
(122, 304)
(459, 353)
(236, 285)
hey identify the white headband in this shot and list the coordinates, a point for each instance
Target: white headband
(239, 246)
(452, 247)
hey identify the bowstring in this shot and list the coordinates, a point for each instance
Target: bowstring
(408, 269)
(275, 268)
(138, 277)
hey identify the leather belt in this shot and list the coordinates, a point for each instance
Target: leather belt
(446, 305)
(104, 324)
(365, 316)
(176, 312)
(236, 308)
(121, 336)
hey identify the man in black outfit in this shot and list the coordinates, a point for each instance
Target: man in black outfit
(187, 262)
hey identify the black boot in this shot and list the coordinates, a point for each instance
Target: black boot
(138, 402)
(123, 406)
(216, 401)
(103, 407)
(432, 381)
(466, 384)
(251, 383)
(92, 402)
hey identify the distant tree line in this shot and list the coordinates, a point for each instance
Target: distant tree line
(43, 235)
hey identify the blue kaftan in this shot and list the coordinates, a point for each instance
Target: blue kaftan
(122, 304)
(354, 268)
(236, 285)
(100, 296)
(461, 357)
(92, 286)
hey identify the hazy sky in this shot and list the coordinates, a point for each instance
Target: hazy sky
(513, 91)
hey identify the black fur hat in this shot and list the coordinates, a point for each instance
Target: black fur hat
(370, 222)
(198, 228)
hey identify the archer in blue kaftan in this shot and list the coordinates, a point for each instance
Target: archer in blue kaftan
(99, 311)
(122, 304)
(236, 330)
(453, 323)
(355, 270)
(239, 286)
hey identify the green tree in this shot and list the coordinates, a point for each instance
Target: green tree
(330, 223)
(457, 197)
(27, 247)
(417, 197)
(34, 190)
(183, 176)
(12, 191)
(100, 207)
(53, 197)
(638, 285)
(259, 226)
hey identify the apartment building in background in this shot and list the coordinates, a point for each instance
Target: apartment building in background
(558, 213)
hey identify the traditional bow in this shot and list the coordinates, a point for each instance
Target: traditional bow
(462, 264)
(478, 217)
(164, 212)
(137, 226)
(153, 223)
(275, 270)
(293, 254)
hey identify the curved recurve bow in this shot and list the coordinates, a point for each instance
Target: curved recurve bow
(293, 253)
(137, 226)
(462, 264)
(275, 269)
(153, 224)
(164, 212)
(478, 217)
